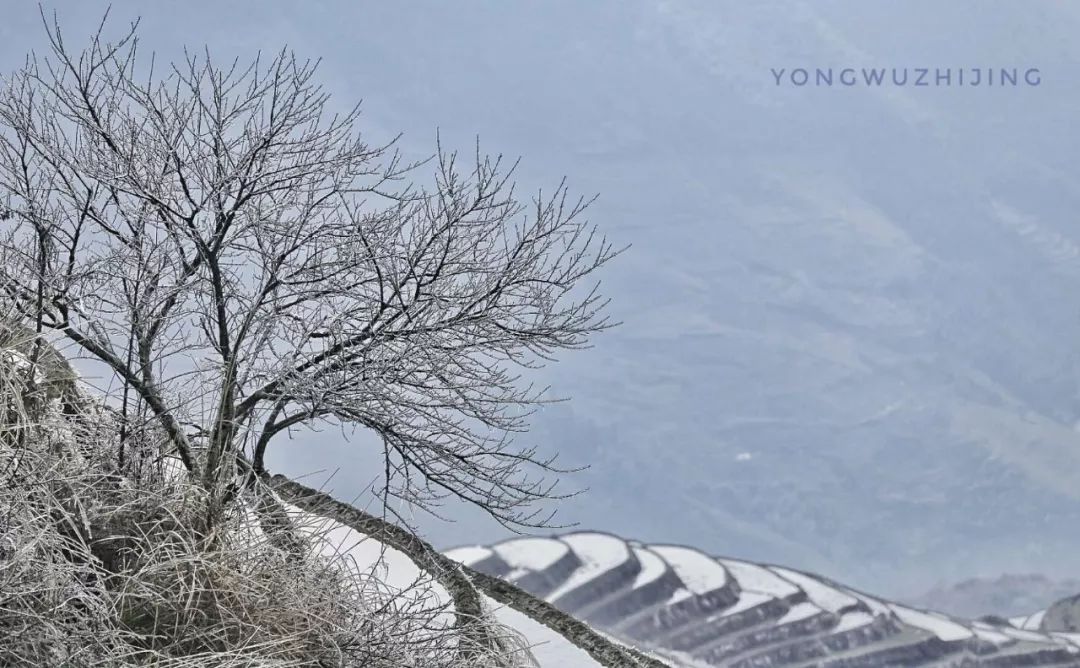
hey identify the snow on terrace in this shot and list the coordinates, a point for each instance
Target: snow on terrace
(1068, 641)
(991, 634)
(699, 572)
(534, 554)
(1073, 639)
(470, 554)
(752, 577)
(1022, 634)
(853, 620)
(798, 612)
(944, 628)
(1033, 622)
(747, 600)
(828, 598)
(877, 607)
(599, 553)
(652, 566)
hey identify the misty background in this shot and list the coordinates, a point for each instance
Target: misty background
(851, 338)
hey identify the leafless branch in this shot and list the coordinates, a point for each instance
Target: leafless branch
(244, 261)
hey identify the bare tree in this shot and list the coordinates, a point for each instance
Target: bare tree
(245, 263)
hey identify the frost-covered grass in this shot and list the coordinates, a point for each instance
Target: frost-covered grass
(103, 567)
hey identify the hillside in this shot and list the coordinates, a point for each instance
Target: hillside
(849, 315)
(113, 565)
(1006, 596)
(298, 578)
(698, 610)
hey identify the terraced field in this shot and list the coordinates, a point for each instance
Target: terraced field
(697, 610)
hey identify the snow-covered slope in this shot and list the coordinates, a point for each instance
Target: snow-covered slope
(402, 577)
(464, 601)
(698, 610)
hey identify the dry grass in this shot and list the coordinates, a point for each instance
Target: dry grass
(102, 569)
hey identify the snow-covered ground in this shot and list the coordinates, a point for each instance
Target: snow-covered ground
(699, 572)
(698, 577)
(799, 612)
(1030, 622)
(599, 553)
(744, 602)
(471, 555)
(824, 595)
(547, 646)
(940, 626)
(396, 573)
(652, 566)
(534, 554)
(401, 577)
(752, 577)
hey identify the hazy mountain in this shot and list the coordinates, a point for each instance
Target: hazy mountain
(852, 329)
(1005, 596)
(852, 315)
(851, 325)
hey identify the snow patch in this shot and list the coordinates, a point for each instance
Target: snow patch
(853, 620)
(1073, 639)
(652, 566)
(599, 553)
(361, 554)
(748, 599)
(548, 647)
(829, 598)
(752, 577)
(992, 635)
(798, 613)
(700, 573)
(1021, 634)
(534, 554)
(469, 554)
(943, 628)
(1033, 622)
